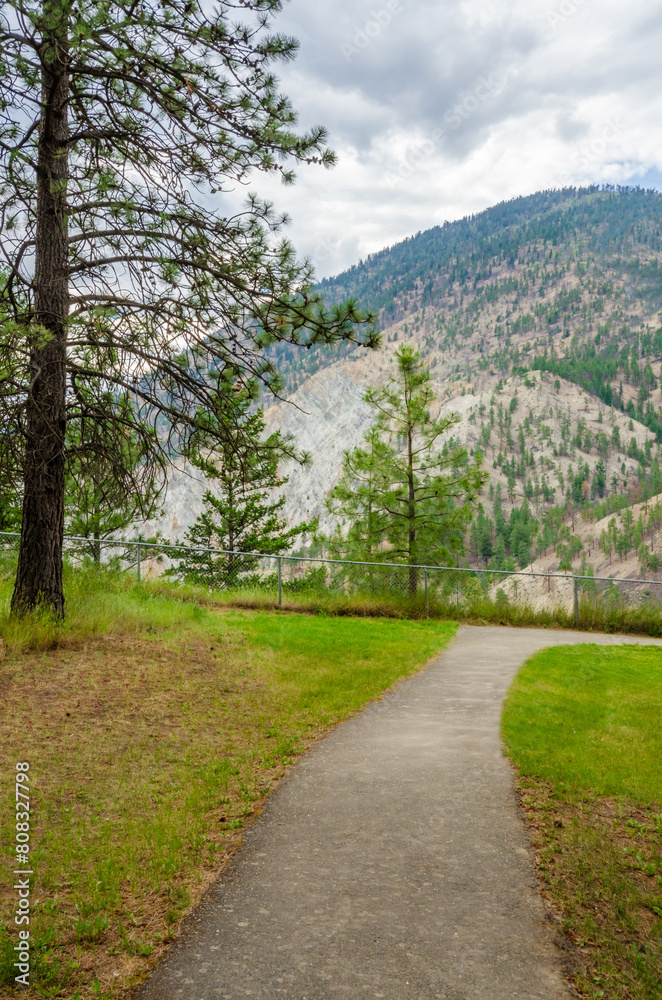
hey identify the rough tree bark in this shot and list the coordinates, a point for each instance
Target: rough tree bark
(39, 574)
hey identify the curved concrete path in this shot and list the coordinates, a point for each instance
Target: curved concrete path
(392, 862)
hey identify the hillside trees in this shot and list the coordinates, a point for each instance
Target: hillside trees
(462, 255)
(482, 538)
(599, 484)
(409, 490)
(444, 279)
(506, 542)
(131, 294)
(595, 371)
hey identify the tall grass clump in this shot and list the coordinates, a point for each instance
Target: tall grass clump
(100, 600)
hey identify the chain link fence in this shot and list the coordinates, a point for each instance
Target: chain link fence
(433, 591)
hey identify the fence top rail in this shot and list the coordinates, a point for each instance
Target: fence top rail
(345, 562)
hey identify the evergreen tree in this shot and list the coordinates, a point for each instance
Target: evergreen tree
(522, 529)
(599, 479)
(499, 516)
(606, 543)
(655, 478)
(119, 124)
(655, 517)
(511, 488)
(498, 560)
(567, 548)
(485, 537)
(408, 492)
(241, 515)
(354, 499)
(106, 491)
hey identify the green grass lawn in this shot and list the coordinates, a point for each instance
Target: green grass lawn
(583, 725)
(154, 728)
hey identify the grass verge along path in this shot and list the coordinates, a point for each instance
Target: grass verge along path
(469, 605)
(582, 725)
(154, 728)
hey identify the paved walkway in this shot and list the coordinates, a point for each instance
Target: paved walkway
(392, 862)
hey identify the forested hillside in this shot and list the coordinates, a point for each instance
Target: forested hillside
(462, 256)
(561, 280)
(540, 320)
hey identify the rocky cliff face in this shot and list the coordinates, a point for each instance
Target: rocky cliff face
(327, 415)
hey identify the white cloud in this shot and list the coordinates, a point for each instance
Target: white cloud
(445, 109)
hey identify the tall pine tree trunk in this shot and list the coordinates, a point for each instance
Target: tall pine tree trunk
(39, 574)
(411, 503)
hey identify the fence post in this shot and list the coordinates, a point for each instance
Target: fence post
(280, 582)
(138, 561)
(576, 601)
(427, 600)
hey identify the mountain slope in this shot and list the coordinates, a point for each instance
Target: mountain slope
(554, 275)
(540, 321)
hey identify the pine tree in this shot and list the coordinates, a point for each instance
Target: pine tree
(354, 499)
(119, 124)
(411, 493)
(241, 515)
(106, 491)
(484, 530)
(599, 479)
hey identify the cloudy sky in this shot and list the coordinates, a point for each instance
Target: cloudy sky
(439, 108)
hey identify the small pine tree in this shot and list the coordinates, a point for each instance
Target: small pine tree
(644, 555)
(406, 495)
(108, 484)
(241, 517)
(354, 498)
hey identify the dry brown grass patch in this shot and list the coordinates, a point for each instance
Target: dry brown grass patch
(600, 865)
(97, 724)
